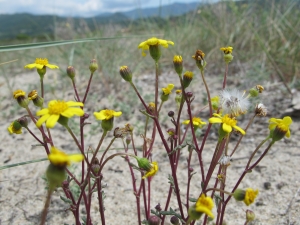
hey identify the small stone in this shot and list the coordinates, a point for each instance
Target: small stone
(267, 185)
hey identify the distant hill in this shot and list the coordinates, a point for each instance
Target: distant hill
(24, 25)
(175, 9)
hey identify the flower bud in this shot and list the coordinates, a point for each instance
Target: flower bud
(171, 113)
(187, 78)
(151, 107)
(23, 121)
(126, 73)
(95, 168)
(250, 215)
(199, 58)
(71, 72)
(36, 99)
(93, 65)
(177, 61)
(153, 220)
(189, 94)
(253, 92)
(174, 220)
(227, 53)
(128, 140)
(15, 127)
(178, 97)
(259, 88)
(19, 95)
(158, 208)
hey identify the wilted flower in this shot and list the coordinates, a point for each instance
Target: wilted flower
(233, 102)
(261, 110)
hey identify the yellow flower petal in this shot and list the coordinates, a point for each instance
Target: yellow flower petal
(186, 122)
(52, 66)
(152, 171)
(52, 120)
(205, 205)
(226, 128)
(56, 109)
(42, 120)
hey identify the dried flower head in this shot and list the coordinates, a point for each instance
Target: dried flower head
(233, 102)
(261, 110)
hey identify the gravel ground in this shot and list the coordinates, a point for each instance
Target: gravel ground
(22, 189)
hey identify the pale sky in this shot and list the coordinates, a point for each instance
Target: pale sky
(86, 8)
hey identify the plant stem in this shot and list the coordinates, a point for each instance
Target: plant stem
(47, 204)
(208, 93)
(225, 76)
(87, 88)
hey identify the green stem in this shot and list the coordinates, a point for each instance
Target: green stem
(218, 189)
(255, 151)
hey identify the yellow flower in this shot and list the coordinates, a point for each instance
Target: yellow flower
(177, 59)
(19, 93)
(15, 128)
(59, 158)
(250, 196)
(247, 196)
(197, 122)
(56, 109)
(167, 90)
(106, 114)
(145, 45)
(227, 123)
(281, 126)
(40, 63)
(205, 204)
(153, 170)
(227, 50)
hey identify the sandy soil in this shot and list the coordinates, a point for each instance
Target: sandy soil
(22, 189)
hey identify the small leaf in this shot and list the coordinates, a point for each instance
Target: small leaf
(192, 199)
(66, 200)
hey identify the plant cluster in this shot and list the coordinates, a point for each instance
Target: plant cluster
(224, 111)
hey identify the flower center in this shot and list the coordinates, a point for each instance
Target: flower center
(109, 113)
(229, 121)
(19, 93)
(282, 127)
(41, 61)
(57, 107)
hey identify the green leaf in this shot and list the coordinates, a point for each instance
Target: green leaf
(57, 43)
(66, 200)
(22, 163)
(192, 199)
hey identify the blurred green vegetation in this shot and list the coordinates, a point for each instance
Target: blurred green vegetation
(263, 33)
